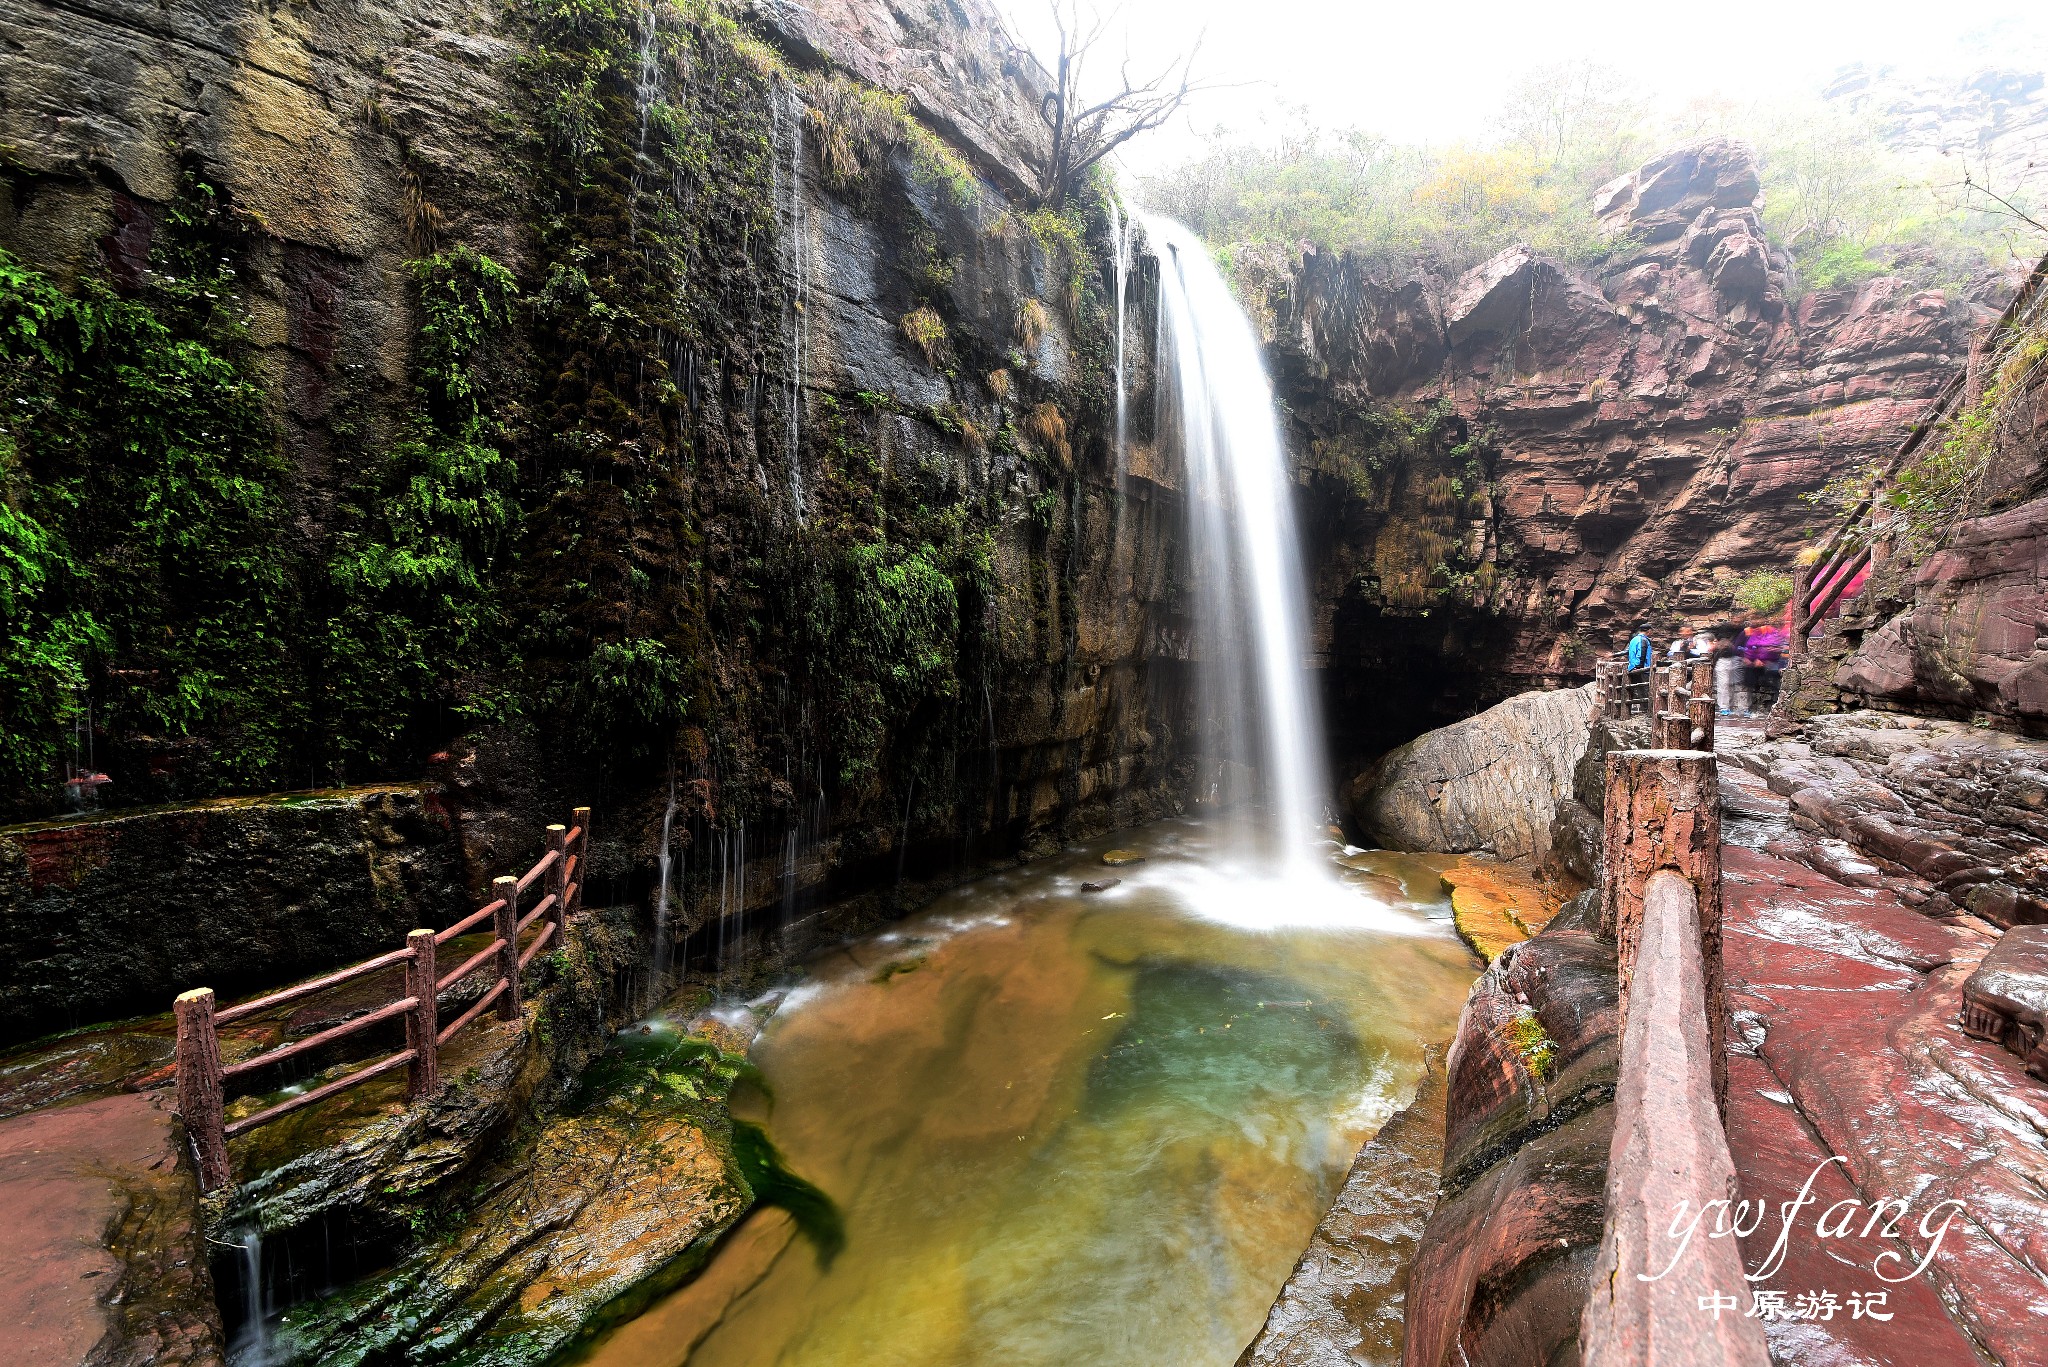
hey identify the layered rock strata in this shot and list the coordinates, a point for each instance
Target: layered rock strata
(1632, 435)
(1503, 1268)
(1952, 818)
(116, 914)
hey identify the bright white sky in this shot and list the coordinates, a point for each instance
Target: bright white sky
(1432, 70)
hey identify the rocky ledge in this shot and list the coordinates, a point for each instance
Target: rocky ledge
(1953, 818)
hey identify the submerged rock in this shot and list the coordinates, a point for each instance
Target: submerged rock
(1496, 905)
(1344, 1301)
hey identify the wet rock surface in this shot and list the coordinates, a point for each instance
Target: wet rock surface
(105, 1262)
(589, 1212)
(1951, 818)
(1496, 905)
(383, 1163)
(2006, 999)
(1850, 999)
(114, 915)
(1345, 1299)
(1490, 784)
(1501, 1272)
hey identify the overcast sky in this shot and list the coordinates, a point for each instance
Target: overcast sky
(1432, 70)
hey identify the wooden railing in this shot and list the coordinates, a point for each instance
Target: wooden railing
(1659, 1294)
(1678, 697)
(202, 1080)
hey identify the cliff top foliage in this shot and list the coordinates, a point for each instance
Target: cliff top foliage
(1835, 198)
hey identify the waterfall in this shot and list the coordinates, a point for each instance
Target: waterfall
(661, 947)
(796, 287)
(1120, 238)
(1253, 627)
(253, 1346)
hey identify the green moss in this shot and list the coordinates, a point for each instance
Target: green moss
(1526, 1035)
(775, 1185)
(146, 568)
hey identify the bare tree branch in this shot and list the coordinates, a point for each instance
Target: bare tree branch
(1083, 134)
(2007, 206)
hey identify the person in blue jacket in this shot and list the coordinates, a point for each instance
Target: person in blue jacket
(1640, 652)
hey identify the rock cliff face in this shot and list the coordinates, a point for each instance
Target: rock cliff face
(115, 916)
(674, 407)
(1603, 444)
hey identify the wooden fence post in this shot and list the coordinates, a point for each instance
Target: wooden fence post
(1664, 812)
(558, 880)
(423, 1022)
(1703, 677)
(1701, 712)
(581, 817)
(506, 891)
(1802, 584)
(199, 1086)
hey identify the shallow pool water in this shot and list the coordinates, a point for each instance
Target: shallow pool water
(1075, 1128)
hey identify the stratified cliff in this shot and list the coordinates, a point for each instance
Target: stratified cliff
(1586, 448)
(671, 405)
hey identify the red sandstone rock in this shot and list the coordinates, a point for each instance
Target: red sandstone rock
(1658, 417)
(1864, 1037)
(2006, 1000)
(103, 1259)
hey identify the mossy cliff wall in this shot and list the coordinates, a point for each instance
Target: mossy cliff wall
(572, 400)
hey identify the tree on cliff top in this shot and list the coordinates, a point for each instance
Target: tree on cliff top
(1083, 133)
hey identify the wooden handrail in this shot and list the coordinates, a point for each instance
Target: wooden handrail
(483, 913)
(540, 909)
(470, 965)
(304, 990)
(202, 1080)
(328, 1036)
(1818, 605)
(321, 1093)
(1655, 1298)
(546, 932)
(526, 880)
(1657, 1294)
(476, 1009)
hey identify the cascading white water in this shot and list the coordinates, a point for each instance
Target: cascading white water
(658, 976)
(1257, 707)
(253, 1345)
(1120, 234)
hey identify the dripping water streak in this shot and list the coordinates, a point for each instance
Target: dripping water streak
(661, 947)
(253, 1346)
(796, 266)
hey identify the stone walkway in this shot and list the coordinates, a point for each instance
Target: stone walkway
(96, 1211)
(1847, 1046)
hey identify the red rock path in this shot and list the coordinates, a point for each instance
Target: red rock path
(67, 1177)
(1845, 1004)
